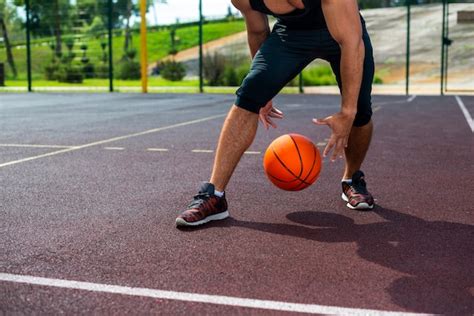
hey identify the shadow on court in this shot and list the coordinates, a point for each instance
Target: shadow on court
(436, 256)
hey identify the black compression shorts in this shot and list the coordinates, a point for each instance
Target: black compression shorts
(285, 53)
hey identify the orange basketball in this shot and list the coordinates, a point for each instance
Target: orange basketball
(292, 162)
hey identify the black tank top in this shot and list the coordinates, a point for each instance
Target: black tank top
(309, 18)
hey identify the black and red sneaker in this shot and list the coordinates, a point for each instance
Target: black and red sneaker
(356, 194)
(205, 207)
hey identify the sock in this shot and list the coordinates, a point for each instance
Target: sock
(218, 193)
(348, 181)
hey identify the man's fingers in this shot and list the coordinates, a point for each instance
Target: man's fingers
(269, 121)
(320, 121)
(329, 146)
(340, 147)
(275, 115)
(278, 111)
(346, 142)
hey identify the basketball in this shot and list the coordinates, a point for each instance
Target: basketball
(292, 162)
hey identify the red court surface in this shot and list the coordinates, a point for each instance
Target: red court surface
(92, 183)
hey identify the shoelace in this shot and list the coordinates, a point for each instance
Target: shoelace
(199, 199)
(359, 187)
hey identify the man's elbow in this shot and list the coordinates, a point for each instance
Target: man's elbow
(258, 32)
(354, 42)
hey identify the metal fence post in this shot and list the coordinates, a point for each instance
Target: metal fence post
(443, 48)
(407, 58)
(28, 44)
(201, 78)
(111, 62)
(300, 82)
(143, 41)
(447, 42)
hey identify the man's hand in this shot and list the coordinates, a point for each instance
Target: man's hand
(340, 124)
(267, 113)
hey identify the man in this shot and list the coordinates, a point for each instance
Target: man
(305, 30)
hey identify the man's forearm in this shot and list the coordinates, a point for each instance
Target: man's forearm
(352, 67)
(256, 40)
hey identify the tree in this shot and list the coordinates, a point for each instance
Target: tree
(50, 17)
(5, 15)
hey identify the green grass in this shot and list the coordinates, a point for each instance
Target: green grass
(159, 44)
(152, 81)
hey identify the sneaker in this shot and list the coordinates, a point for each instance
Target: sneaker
(204, 208)
(356, 194)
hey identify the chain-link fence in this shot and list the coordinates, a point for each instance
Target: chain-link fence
(96, 45)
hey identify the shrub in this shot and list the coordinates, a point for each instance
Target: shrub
(321, 75)
(172, 70)
(214, 67)
(377, 80)
(102, 71)
(70, 74)
(128, 70)
(51, 70)
(242, 72)
(230, 77)
(88, 70)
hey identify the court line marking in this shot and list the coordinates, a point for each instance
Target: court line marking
(252, 152)
(36, 146)
(202, 151)
(194, 297)
(157, 149)
(466, 113)
(110, 140)
(411, 98)
(389, 102)
(114, 148)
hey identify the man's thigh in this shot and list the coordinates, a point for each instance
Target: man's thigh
(277, 62)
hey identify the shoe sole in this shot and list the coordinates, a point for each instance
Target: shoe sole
(215, 217)
(360, 206)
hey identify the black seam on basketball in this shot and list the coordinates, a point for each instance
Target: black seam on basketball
(314, 162)
(284, 166)
(297, 188)
(299, 155)
(284, 181)
(312, 167)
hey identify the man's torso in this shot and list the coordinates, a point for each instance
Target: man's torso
(294, 14)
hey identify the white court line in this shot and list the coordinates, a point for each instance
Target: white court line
(252, 152)
(193, 297)
(114, 148)
(376, 108)
(158, 149)
(411, 98)
(390, 102)
(202, 151)
(466, 113)
(321, 144)
(35, 146)
(101, 142)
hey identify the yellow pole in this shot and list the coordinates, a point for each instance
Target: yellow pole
(143, 47)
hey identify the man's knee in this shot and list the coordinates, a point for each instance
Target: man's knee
(364, 114)
(362, 120)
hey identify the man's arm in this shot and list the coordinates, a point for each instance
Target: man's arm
(343, 21)
(257, 32)
(257, 25)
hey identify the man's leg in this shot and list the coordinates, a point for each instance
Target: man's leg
(353, 185)
(357, 147)
(273, 67)
(238, 133)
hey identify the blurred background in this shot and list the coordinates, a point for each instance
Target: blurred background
(95, 45)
